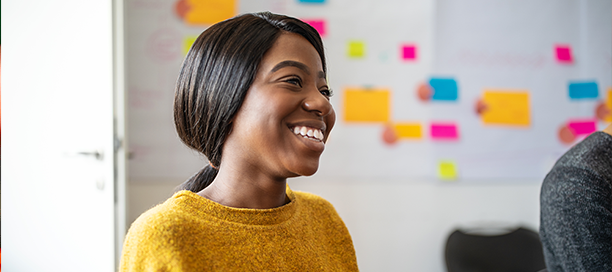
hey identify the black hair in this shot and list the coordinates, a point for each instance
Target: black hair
(215, 77)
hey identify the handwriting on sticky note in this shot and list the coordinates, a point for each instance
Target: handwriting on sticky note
(447, 170)
(444, 89)
(506, 107)
(188, 42)
(409, 52)
(582, 126)
(207, 12)
(444, 131)
(409, 130)
(319, 24)
(367, 105)
(583, 90)
(356, 49)
(564, 53)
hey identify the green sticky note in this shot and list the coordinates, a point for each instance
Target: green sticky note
(447, 170)
(356, 49)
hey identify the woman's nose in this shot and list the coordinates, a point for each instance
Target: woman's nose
(318, 103)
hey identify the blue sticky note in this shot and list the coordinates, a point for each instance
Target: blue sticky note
(583, 90)
(444, 89)
(312, 1)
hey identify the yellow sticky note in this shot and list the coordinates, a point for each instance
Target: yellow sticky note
(356, 49)
(508, 107)
(188, 42)
(209, 12)
(609, 104)
(409, 130)
(447, 170)
(366, 105)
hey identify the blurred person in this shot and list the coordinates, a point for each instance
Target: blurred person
(576, 207)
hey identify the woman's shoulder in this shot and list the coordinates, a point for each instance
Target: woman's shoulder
(177, 210)
(312, 199)
(316, 206)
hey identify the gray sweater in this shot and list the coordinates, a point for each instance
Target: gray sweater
(576, 208)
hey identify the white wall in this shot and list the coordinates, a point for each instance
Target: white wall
(397, 225)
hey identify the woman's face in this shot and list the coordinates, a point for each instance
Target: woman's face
(285, 119)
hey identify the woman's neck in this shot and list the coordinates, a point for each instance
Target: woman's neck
(241, 190)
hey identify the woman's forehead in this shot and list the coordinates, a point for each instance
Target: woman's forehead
(291, 47)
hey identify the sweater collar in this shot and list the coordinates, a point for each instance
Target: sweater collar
(207, 208)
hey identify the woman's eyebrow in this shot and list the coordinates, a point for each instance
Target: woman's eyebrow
(287, 63)
(297, 64)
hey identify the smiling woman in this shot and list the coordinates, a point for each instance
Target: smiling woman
(252, 96)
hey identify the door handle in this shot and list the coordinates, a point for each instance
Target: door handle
(99, 155)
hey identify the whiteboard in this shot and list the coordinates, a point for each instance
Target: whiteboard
(481, 46)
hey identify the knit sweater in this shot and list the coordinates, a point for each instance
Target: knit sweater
(576, 208)
(191, 233)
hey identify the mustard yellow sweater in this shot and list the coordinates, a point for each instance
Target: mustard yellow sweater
(191, 233)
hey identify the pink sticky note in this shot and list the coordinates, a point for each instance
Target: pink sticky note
(319, 25)
(444, 131)
(582, 127)
(409, 52)
(564, 53)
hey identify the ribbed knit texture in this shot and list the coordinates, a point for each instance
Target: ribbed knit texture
(576, 208)
(191, 233)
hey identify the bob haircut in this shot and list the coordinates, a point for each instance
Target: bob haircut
(215, 77)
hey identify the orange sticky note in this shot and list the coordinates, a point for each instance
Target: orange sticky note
(508, 107)
(208, 12)
(409, 130)
(367, 105)
(188, 42)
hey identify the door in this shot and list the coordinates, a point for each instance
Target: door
(58, 184)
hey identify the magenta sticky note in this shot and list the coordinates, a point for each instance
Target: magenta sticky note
(409, 52)
(444, 131)
(582, 127)
(564, 53)
(319, 24)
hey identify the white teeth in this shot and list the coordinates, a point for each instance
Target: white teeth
(319, 135)
(306, 132)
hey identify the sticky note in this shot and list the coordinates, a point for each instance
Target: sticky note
(367, 105)
(444, 131)
(444, 89)
(312, 1)
(582, 127)
(447, 170)
(409, 52)
(356, 49)
(207, 12)
(563, 53)
(583, 90)
(188, 42)
(319, 24)
(506, 108)
(408, 130)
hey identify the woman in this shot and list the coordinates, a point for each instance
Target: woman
(252, 97)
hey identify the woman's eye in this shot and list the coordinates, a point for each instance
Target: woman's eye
(295, 81)
(327, 93)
